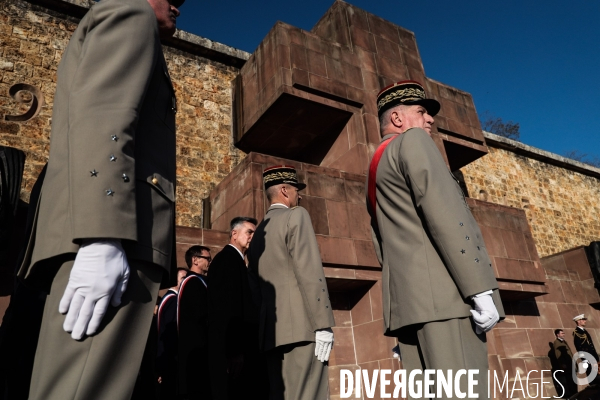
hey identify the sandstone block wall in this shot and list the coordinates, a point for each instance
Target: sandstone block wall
(562, 205)
(32, 41)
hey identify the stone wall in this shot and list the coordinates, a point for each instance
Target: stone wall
(560, 197)
(32, 40)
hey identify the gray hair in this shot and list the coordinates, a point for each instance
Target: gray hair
(237, 221)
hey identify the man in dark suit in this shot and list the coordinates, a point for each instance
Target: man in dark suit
(104, 228)
(192, 324)
(166, 353)
(439, 290)
(235, 367)
(563, 371)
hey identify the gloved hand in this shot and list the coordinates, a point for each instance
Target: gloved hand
(99, 275)
(485, 314)
(324, 339)
(583, 366)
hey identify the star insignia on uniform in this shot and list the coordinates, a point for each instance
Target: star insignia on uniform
(109, 192)
(114, 138)
(113, 158)
(466, 237)
(94, 172)
(477, 260)
(463, 251)
(125, 178)
(461, 224)
(478, 248)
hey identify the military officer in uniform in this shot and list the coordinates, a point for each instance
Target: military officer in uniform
(436, 270)
(583, 342)
(564, 365)
(295, 311)
(103, 236)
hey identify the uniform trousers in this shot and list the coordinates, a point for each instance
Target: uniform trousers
(103, 366)
(296, 374)
(446, 345)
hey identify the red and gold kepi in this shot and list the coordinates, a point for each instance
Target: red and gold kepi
(281, 174)
(405, 93)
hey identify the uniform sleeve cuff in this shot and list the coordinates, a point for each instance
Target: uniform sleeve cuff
(487, 292)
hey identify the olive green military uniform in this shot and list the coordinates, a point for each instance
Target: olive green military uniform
(294, 302)
(111, 174)
(433, 258)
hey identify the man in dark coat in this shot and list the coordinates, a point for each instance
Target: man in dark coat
(235, 367)
(166, 354)
(192, 324)
(583, 342)
(564, 365)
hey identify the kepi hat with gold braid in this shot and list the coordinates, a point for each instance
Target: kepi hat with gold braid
(281, 174)
(405, 93)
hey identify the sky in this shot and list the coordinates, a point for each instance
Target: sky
(532, 62)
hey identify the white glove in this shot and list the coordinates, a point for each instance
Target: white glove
(99, 275)
(324, 339)
(583, 366)
(485, 314)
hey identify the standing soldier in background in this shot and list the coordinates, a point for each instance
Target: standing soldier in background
(583, 342)
(103, 237)
(435, 265)
(563, 373)
(295, 311)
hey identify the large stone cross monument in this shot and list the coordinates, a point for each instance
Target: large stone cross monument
(308, 99)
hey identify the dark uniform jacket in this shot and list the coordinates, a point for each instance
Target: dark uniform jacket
(166, 326)
(192, 322)
(583, 342)
(563, 354)
(233, 326)
(427, 241)
(111, 171)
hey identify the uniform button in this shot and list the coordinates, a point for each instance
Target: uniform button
(477, 260)
(461, 224)
(318, 299)
(125, 178)
(154, 181)
(326, 306)
(323, 290)
(114, 138)
(466, 237)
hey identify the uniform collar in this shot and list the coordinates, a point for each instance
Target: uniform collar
(579, 327)
(388, 136)
(238, 250)
(277, 206)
